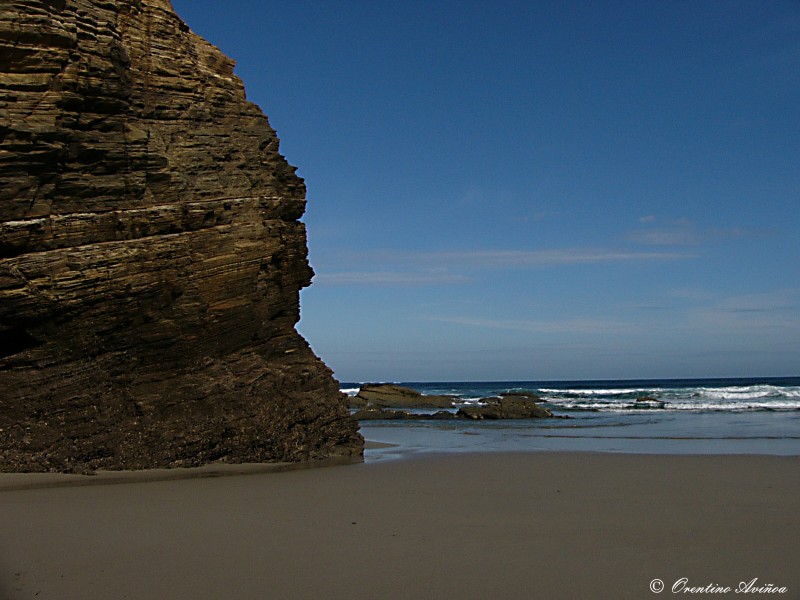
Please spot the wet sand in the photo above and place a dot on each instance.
(463, 526)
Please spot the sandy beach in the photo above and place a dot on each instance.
(494, 525)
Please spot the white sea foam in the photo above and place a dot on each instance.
(470, 400)
(589, 405)
(592, 392)
(748, 392)
(760, 396)
(673, 405)
(729, 398)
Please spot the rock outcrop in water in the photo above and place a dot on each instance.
(384, 395)
(151, 255)
(386, 401)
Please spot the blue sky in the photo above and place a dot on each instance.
(537, 190)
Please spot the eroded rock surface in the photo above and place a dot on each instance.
(151, 255)
(507, 406)
(383, 395)
(386, 401)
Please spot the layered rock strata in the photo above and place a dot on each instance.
(151, 253)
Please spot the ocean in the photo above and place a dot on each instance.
(684, 416)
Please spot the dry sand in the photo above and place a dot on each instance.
(533, 525)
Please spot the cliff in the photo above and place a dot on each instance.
(151, 253)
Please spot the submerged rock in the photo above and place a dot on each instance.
(646, 402)
(151, 253)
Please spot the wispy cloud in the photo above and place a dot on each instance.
(664, 237)
(581, 326)
(531, 258)
(387, 278)
(690, 294)
(413, 268)
(771, 314)
(682, 232)
(768, 302)
(756, 323)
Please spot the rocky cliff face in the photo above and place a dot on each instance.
(151, 255)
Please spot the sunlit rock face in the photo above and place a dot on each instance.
(151, 254)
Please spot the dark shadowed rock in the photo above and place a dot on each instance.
(151, 253)
(356, 402)
(374, 414)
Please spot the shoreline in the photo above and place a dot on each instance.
(502, 525)
(707, 416)
(13, 482)
(380, 452)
